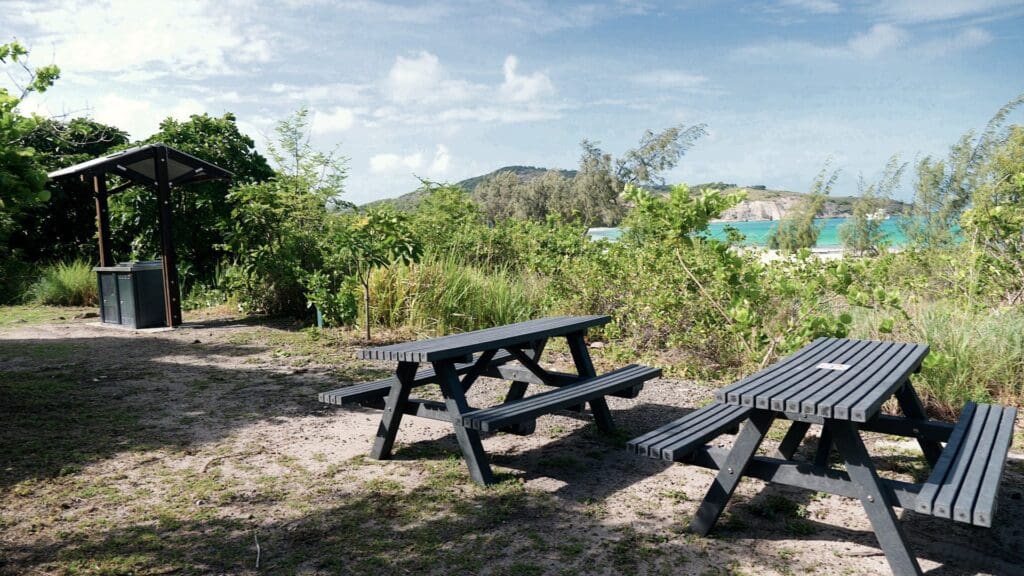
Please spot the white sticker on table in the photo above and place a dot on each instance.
(830, 366)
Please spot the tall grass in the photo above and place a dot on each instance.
(975, 354)
(442, 295)
(66, 284)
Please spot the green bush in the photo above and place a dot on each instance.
(442, 295)
(66, 284)
(975, 353)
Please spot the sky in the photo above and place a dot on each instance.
(448, 90)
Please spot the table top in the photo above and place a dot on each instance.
(834, 378)
(459, 345)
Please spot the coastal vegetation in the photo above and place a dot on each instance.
(280, 239)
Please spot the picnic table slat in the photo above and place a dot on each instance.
(456, 345)
(985, 504)
(761, 396)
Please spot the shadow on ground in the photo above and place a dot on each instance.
(65, 403)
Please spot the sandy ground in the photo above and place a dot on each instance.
(227, 457)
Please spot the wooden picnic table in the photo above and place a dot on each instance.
(512, 353)
(840, 385)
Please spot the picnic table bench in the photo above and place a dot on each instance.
(840, 385)
(512, 353)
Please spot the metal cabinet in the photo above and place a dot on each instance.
(132, 294)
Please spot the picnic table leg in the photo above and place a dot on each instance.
(794, 436)
(393, 405)
(746, 445)
(912, 409)
(824, 447)
(873, 498)
(585, 368)
(469, 440)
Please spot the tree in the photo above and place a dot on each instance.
(202, 211)
(22, 177)
(995, 220)
(657, 153)
(375, 239)
(64, 227)
(276, 228)
(499, 195)
(862, 232)
(945, 187)
(798, 230)
(595, 189)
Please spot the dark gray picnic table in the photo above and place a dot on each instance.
(840, 385)
(512, 353)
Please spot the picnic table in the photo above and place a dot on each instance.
(512, 353)
(840, 385)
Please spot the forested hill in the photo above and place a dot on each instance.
(761, 203)
(409, 200)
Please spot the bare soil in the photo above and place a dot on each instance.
(203, 450)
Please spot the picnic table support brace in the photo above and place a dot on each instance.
(747, 443)
(874, 499)
(469, 439)
(912, 408)
(518, 388)
(585, 368)
(791, 441)
(394, 407)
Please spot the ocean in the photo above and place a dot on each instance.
(756, 233)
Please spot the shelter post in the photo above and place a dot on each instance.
(99, 187)
(172, 292)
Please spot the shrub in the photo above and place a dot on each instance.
(442, 295)
(66, 284)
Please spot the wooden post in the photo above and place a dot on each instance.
(99, 187)
(172, 293)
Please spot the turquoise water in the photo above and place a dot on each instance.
(756, 233)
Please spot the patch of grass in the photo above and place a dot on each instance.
(66, 284)
(53, 425)
(33, 314)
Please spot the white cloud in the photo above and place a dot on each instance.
(336, 92)
(128, 37)
(814, 6)
(965, 39)
(391, 164)
(141, 118)
(915, 11)
(879, 39)
(674, 79)
(337, 120)
(394, 163)
(442, 159)
(422, 79)
(521, 88)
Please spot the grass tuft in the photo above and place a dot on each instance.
(66, 284)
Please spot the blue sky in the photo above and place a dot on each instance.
(448, 90)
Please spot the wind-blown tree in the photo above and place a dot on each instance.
(798, 230)
(995, 220)
(202, 211)
(593, 195)
(22, 177)
(945, 187)
(862, 232)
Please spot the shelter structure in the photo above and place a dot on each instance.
(155, 166)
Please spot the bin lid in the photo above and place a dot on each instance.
(132, 266)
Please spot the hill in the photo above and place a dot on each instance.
(409, 200)
(762, 203)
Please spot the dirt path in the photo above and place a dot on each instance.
(203, 450)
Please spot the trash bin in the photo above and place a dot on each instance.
(132, 294)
